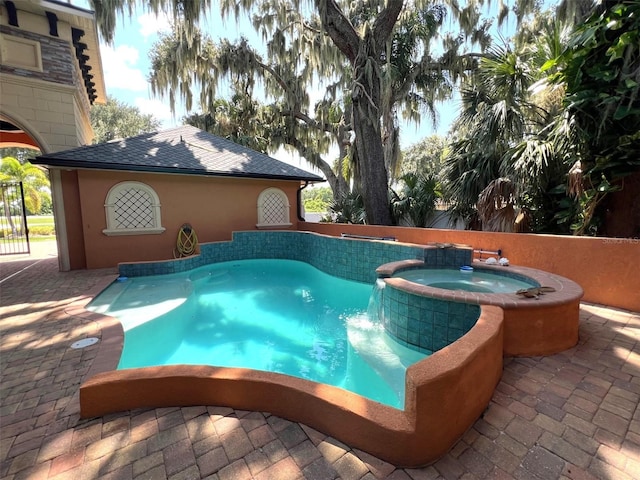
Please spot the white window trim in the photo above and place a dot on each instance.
(110, 214)
(262, 224)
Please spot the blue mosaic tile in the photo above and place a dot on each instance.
(426, 342)
(441, 306)
(413, 324)
(454, 334)
(439, 342)
(402, 333)
(440, 319)
(426, 328)
(456, 308)
(456, 322)
(413, 338)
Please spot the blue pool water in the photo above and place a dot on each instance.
(476, 281)
(276, 315)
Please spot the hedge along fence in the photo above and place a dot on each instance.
(38, 226)
(42, 230)
(36, 231)
(41, 225)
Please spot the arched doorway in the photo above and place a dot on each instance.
(23, 193)
(13, 136)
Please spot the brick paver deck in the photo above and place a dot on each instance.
(572, 415)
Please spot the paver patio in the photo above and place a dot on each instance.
(572, 415)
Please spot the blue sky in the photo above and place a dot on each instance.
(126, 66)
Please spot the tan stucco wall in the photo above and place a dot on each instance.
(50, 104)
(214, 206)
(606, 268)
(47, 111)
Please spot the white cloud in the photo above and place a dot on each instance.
(151, 24)
(158, 109)
(119, 68)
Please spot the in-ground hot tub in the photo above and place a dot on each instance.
(541, 325)
(466, 279)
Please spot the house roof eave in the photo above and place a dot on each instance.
(73, 164)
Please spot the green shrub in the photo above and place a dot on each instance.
(42, 230)
(6, 232)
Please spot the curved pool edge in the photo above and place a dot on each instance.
(544, 325)
(464, 374)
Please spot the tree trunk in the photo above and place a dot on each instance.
(7, 212)
(364, 53)
(337, 183)
(373, 173)
(366, 126)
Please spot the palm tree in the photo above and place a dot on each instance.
(33, 178)
(495, 114)
(416, 202)
(506, 137)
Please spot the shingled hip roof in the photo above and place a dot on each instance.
(182, 150)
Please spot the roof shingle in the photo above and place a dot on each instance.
(181, 150)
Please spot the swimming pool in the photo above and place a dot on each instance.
(279, 316)
(445, 392)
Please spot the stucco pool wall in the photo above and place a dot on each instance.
(444, 393)
(544, 325)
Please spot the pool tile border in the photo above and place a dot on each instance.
(349, 258)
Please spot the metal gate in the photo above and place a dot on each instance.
(14, 234)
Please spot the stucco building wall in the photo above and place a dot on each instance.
(214, 206)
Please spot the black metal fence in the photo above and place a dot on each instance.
(14, 233)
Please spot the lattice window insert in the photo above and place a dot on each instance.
(132, 208)
(273, 208)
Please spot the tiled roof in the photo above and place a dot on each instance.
(183, 150)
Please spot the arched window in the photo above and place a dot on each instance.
(132, 208)
(273, 209)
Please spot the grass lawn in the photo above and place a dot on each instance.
(41, 227)
(44, 220)
(41, 238)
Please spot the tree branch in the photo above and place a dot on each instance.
(386, 20)
(275, 75)
(339, 28)
(324, 127)
(314, 159)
